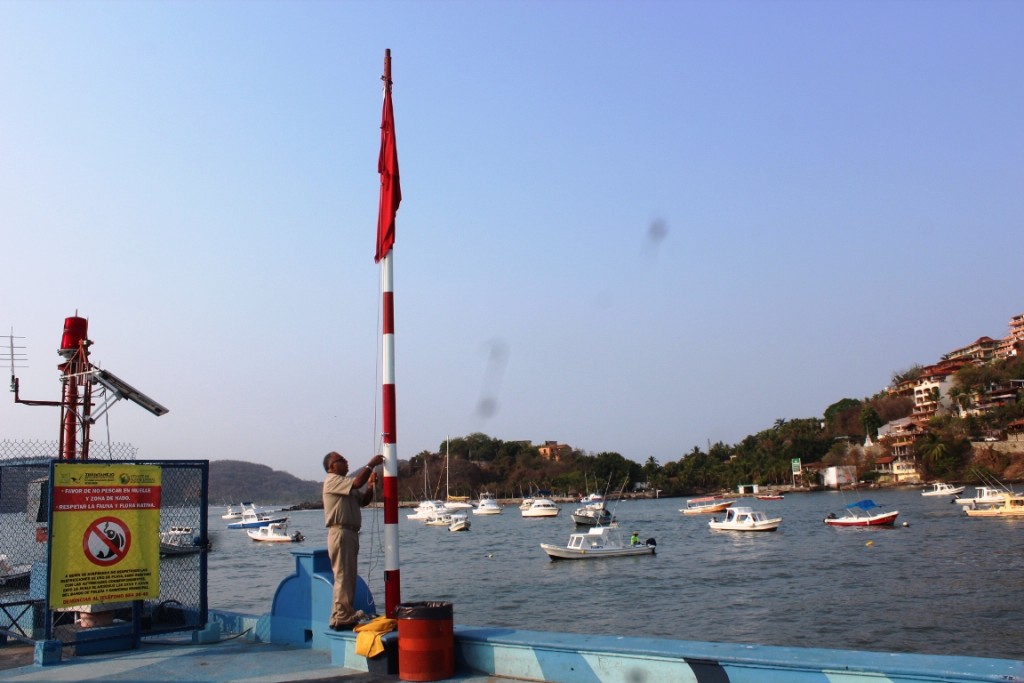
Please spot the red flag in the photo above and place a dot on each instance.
(390, 187)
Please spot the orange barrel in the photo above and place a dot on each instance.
(426, 641)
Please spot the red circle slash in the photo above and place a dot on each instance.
(106, 541)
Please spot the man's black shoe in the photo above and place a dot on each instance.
(344, 627)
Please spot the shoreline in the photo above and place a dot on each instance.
(571, 500)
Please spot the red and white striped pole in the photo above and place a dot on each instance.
(392, 582)
(390, 198)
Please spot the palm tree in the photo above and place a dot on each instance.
(932, 451)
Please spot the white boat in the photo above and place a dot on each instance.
(428, 509)
(440, 519)
(706, 505)
(745, 519)
(541, 507)
(276, 532)
(234, 513)
(591, 499)
(941, 488)
(252, 518)
(180, 540)
(487, 505)
(593, 514)
(984, 496)
(459, 522)
(598, 542)
(1010, 505)
(860, 514)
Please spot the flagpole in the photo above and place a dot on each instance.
(390, 197)
(392, 581)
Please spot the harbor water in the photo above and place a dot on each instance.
(937, 583)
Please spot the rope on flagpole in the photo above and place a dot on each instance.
(376, 551)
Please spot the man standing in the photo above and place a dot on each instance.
(343, 496)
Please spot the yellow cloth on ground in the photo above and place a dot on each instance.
(368, 642)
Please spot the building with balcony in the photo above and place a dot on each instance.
(1013, 343)
(553, 451)
(899, 436)
(897, 469)
(981, 351)
(997, 395)
(930, 389)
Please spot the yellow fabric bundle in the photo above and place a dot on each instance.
(368, 642)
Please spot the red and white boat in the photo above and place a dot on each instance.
(860, 514)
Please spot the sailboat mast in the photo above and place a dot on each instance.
(390, 197)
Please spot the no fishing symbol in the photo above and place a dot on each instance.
(106, 541)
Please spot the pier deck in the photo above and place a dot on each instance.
(237, 661)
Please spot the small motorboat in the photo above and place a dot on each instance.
(941, 488)
(459, 522)
(440, 519)
(984, 496)
(541, 507)
(598, 542)
(769, 496)
(593, 514)
(234, 512)
(253, 518)
(860, 514)
(181, 540)
(706, 505)
(745, 519)
(275, 532)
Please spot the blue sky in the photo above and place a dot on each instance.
(636, 227)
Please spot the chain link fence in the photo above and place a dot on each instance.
(28, 450)
(25, 491)
(23, 548)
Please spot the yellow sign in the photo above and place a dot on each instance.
(105, 540)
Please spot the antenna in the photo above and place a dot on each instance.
(120, 389)
(17, 356)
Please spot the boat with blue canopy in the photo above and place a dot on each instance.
(861, 514)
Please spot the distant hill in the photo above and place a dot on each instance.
(232, 481)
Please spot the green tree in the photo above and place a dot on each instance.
(651, 468)
(942, 457)
(870, 421)
(911, 373)
(842, 417)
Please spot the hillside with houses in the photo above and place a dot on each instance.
(973, 393)
(960, 418)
